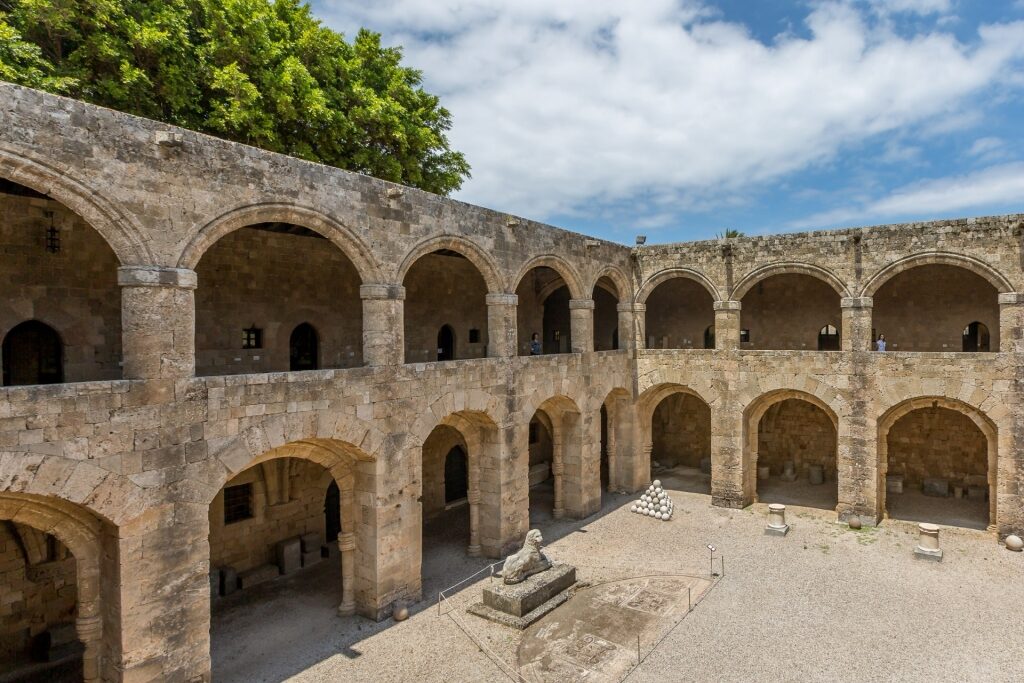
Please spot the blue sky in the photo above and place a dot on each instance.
(680, 118)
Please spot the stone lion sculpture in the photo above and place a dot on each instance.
(527, 562)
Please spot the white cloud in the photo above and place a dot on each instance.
(567, 107)
(999, 185)
(924, 7)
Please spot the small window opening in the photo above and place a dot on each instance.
(744, 336)
(237, 503)
(474, 336)
(252, 337)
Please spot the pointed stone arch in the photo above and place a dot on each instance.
(672, 273)
(476, 255)
(558, 264)
(788, 268)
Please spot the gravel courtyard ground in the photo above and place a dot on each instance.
(824, 603)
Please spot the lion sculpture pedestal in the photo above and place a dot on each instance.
(531, 586)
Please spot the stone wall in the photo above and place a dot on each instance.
(681, 431)
(444, 290)
(275, 281)
(293, 506)
(797, 431)
(74, 290)
(37, 585)
(678, 314)
(788, 312)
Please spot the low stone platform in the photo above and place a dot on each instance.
(519, 605)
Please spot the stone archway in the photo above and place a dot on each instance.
(949, 442)
(82, 533)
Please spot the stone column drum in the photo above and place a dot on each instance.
(727, 324)
(581, 325)
(383, 324)
(502, 332)
(158, 321)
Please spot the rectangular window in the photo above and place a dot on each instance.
(252, 338)
(744, 336)
(474, 336)
(237, 503)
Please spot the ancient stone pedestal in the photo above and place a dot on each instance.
(520, 604)
(776, 520)
(928, 543)
(788, 471)
(816, 474)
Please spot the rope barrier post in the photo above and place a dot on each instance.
(638, 649)
(689, 599)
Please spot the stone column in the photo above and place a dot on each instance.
(473, 498)
(158, 322)
(1011, 322)
(557, 469)
(632, 325)
(727, 324)
(89, 623)
(502, 329)
(856, 332)
(383, 324)
(581, 325)
(347, 546)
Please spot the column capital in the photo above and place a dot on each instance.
(581, 304)
(727, 305)
(856, 302)
(378, 291)
(631, 307)
(1011, 298)
(501, 299)
(156, 276)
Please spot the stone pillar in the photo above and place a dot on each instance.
(732, 485)
(473, 498)
(383, 324)
(1011, 322)
(347, 546)
(856, 332)
(581, 325)
(557, 469)
(727, 324)
(502, 325)
(89, 623)
(158, 322)
(632, 325)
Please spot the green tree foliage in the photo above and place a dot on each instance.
(731, 233)
(263, 72)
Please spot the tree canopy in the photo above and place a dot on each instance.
(263, 72)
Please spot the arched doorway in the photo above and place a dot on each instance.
(796, 450)
(680, 439)
(680, 311)
(446, 343)
(544, 309)
(32, 354)
(304, 348)
(828, 338)
(445, 291)
(709, 337)
(57, 268)
(606, 315)
(786, 310)
(976, 338)
(555, 453)
(456, 476)
(924, 308)
(258, 283)
(937, 461)
(54, 630)
(332, 514)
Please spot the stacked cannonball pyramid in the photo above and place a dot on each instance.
(654, 503)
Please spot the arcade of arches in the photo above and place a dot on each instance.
(357, 399)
